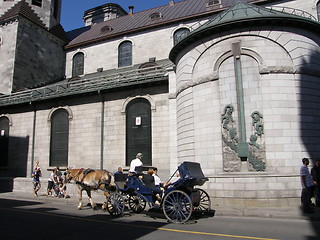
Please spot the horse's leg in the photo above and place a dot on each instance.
(80, 198)
(93, 204)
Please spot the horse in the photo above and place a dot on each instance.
(88, 180)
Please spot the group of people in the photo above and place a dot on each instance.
(151, 179)
(310, 183)
(56, 183)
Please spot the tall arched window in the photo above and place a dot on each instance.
(125, 54)
(138, 131)
(4, 141)
(59, 142)
(78, 64)
(179, 34)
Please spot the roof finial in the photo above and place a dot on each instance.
(171, 3)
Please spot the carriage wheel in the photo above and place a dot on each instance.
(177, 206)
(115, 204)
(204, 204)
(137, 203)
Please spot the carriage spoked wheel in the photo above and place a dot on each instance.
(177, 206)
(204, 204)
(115, 204)
(137, 203)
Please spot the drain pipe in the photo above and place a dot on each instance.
(102, 130)
(33, 137)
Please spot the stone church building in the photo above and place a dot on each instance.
(231, 84)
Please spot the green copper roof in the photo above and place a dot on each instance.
(242, 15)
(242, 11)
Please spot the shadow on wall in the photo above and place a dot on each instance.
(310, 106)
(16, 164)
(310, 116)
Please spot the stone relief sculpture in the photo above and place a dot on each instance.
(231, 161)
(257, 154)
(256, 147)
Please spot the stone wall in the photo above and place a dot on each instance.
(272, 85)
(45, 12)
(85, 128)
(8, 34)
(41, 53)
(147, 44)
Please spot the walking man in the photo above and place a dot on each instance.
(307, 185)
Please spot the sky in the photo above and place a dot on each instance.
(73, 10)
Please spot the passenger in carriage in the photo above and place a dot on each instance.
(149, 182)
(119, 171)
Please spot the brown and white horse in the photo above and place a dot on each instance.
(88, 180)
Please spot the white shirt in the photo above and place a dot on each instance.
(135, 163)
(157, 180)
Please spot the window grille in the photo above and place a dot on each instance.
(59, 142)
(105, 29)
(155, 16)
(180, 34)
(78, 65)
(125, 54)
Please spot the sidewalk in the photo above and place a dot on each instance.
(263, 212)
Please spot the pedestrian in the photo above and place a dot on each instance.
(315, 172)
(36, 174)
(51, 182)
(137, 162)
(307, 186)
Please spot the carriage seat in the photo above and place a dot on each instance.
(120, 180)
(134, 183)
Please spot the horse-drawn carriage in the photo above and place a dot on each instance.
(180, 199)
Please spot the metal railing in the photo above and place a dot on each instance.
(293, 11)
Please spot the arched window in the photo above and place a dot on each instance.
(78, 64)
(4, 141)
(138, 130)
(318, 10)
(125, 54)
(179, 34)
(59, 142)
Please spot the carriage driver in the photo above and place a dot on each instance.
(135, 163)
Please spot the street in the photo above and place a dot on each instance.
(50, 218)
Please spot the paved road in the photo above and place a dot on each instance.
(47, 218)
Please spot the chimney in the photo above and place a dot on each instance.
(171, 3)
(131, 10)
